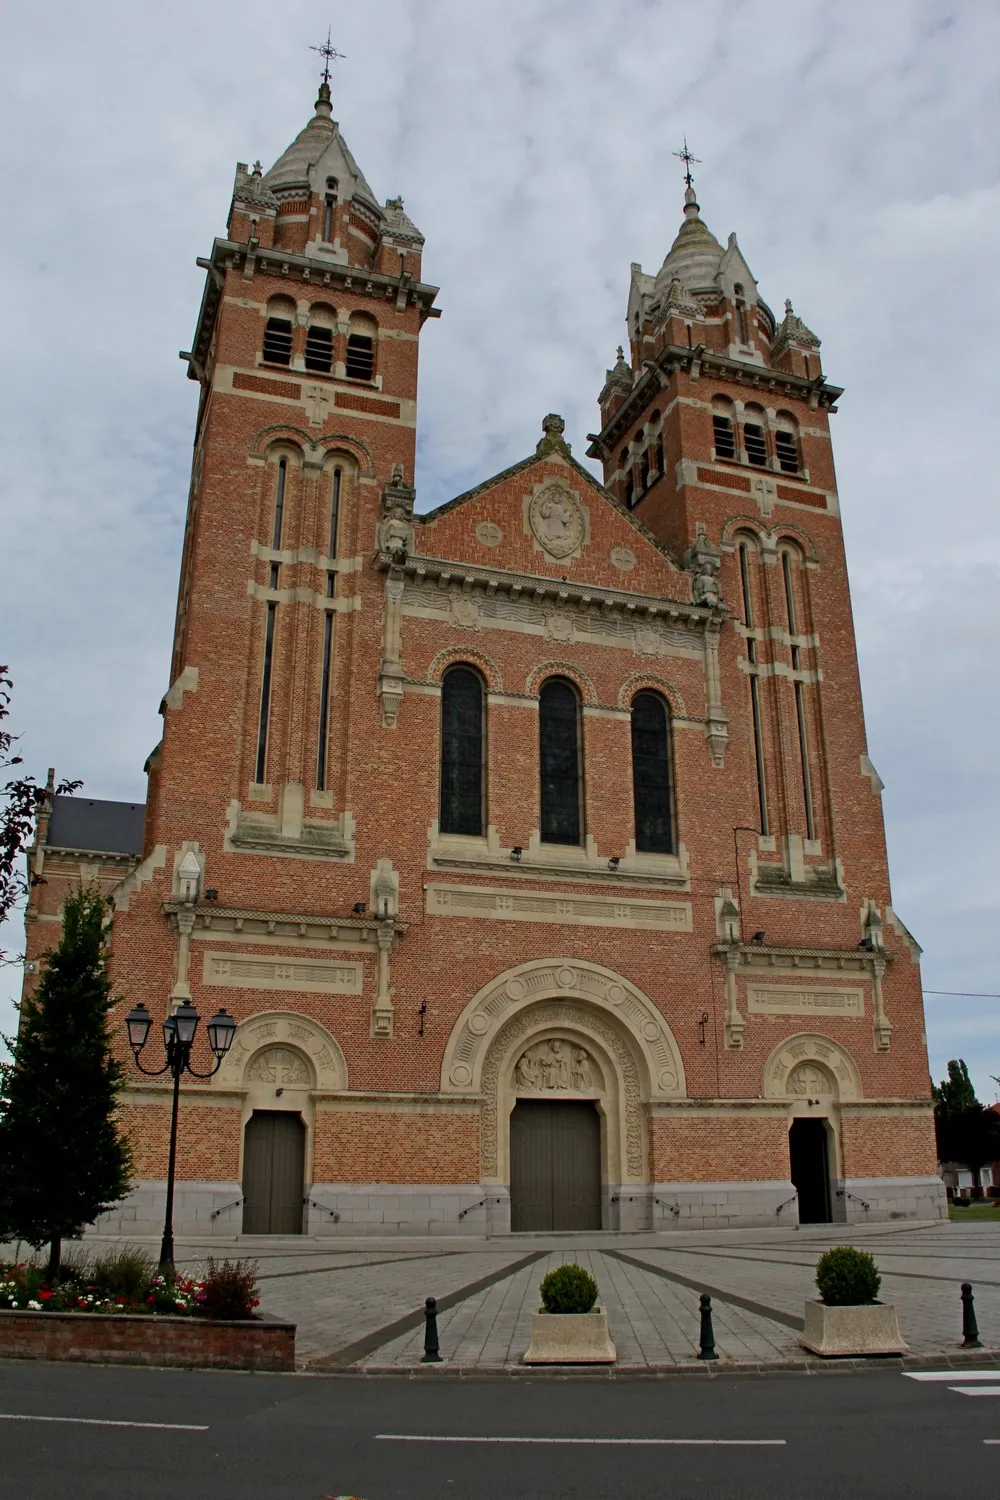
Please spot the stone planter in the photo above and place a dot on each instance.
(868, 1329)
(127, 1339)
(570, 1339)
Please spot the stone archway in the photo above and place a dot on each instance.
(788, 1070)
(601, 991)
(813, 1074)
(284, 1032)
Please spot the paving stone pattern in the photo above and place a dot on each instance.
(341, 1296)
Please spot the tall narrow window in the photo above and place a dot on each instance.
(334, 513)
(279, 503)
(462, 747)
(324, 699)
(360, 356)
(651, 775)
(278, 341)
(265, 692)
(319, 349)
(758, 742)
(800, 706)
(741, 314)
(561, 781)
(724, 437)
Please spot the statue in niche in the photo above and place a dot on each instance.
(556, 520)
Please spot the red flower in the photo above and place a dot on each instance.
(45, 1296)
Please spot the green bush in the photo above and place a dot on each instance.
(569, 1289)
(125, 1272)
(229, 1290)
(847, 1277)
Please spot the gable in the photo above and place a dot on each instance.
(548, 516)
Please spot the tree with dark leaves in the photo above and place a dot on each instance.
(63, 1158)
(21, 800)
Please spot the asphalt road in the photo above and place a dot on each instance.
(263, 1437)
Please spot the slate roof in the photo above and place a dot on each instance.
(87, 823)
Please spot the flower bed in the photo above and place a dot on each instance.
(121, 1308)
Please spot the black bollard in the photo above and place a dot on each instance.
(970, 1328)
(432, 1350)
(707, 1349)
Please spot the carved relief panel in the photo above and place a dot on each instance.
(556, 1065)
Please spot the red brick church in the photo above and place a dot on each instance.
(532, 841)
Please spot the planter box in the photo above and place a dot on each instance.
(870, 1329)
(112, 1339)
(570, 1339)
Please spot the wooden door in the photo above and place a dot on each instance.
(274, 1155)
(808, 1149)
(555, 1165)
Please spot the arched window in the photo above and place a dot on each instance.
(278, 331)
(786, 443)
(748, 558)
(361, 349)
(724, 436)
(741, 313)
(755, 436)
(319, 340)
(559, 759)
(462, 752)
(652, 780)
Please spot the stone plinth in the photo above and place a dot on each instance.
(570, 1339)
(870, 1329)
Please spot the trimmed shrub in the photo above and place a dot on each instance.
(569, 1289)
(847, 1277)
(229, 1290)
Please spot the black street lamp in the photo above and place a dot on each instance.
(178, 1035)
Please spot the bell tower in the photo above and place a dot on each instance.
(305, 351)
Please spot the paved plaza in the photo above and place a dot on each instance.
(359, 1306)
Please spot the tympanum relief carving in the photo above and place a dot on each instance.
(279, 1065)
(555, 1065)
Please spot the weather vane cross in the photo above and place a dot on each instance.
(688, 159)
(329, 54)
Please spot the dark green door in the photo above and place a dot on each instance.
(555, 1165)
(274, 1159)
(808, 1149)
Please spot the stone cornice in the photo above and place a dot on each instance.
(277, 926)
(763, 958)
(446, 572)
(699, 361)
(231, 255)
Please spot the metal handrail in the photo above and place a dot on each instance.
(334, 1215)
(225, 1207)
(793, 1199)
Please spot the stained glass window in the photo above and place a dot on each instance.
(559, 731)
(462, 745)
(651, 775)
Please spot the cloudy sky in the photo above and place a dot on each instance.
(851, 146)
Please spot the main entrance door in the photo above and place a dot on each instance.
(810, 1158)
(555, 1165)
(274, 1156)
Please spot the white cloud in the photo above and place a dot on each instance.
(850, 146)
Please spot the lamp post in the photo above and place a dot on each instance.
(178, 1036)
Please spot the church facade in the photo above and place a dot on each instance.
(533, 841)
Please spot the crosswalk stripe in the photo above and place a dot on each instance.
(946, 1375)
(976, 1390)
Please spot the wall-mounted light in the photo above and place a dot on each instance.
(614, 861)
(758, 937)
(421, 1012)
(516, 853)
(359, 908)
(212, 894)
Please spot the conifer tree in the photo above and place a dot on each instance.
(63, 1159)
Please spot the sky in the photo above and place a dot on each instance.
(851, 147)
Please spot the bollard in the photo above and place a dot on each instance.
(707, 1349)
(970, 1328)
(432, 1350)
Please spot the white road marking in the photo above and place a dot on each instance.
(17, 1416)
(945, 1375)
(409, 1437)
(976, 1390)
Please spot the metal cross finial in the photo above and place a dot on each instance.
(329, 54)
(687, 158)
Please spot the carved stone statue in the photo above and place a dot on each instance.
(556, 1065)
(583, 1076)
(703, 559)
